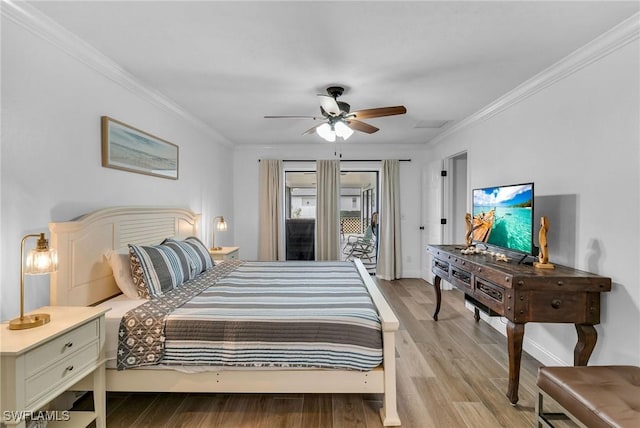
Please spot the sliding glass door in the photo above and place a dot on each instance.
(358, 210)
(300, 219)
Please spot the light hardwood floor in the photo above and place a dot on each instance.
(450, 373)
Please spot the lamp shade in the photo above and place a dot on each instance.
(326, 132)
(40, 262)
(221, 225)
(342, 130)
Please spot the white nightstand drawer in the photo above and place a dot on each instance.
(69, 369)
(60, 347)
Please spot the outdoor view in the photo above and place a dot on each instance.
(358, 204)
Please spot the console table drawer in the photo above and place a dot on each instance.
(461, 278)
(440, 268)
(490, 294)
(561, 307)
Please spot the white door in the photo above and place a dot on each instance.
(455, 199)
(431, 213)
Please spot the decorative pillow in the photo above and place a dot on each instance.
(186, 257)
(156, 269)
(197, 251)
(119, 261)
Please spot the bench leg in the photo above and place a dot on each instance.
(543, 419)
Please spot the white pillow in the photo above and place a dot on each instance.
(121, 267)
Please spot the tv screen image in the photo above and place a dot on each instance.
(503, 217)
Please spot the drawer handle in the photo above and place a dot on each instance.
(69, 368)
(555, 303)
(68, 345)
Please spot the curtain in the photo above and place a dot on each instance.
(270, 244)
(328, 210)
(389, 249)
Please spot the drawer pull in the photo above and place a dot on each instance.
(69, 368)
(555, 303)
(68, 345)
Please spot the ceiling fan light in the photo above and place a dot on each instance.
(326, 132)
(342, 130)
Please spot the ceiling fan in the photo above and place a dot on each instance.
(337, 118)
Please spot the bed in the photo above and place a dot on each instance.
(84, 277)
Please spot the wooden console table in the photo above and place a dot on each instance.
(522, 293)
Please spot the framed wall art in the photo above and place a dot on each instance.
(129, 149)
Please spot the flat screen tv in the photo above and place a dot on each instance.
(503, 217)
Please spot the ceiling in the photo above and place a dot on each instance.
(231, 63)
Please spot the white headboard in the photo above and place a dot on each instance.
(84, 276)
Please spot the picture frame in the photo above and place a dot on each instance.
(130, 149)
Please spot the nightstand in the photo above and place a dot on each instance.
(41, 363)
(226, 253)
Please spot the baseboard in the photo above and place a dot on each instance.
(533, 348)
(412, 273)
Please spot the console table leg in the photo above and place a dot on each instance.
(476, 314)
(515, 333)
(436, 286)
(587, 337)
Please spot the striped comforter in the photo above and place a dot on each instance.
(279, 314)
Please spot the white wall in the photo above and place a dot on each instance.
(578, 140)
(51, 154)
(245, 170)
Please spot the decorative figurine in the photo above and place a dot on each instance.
(467, 219)
(543, 256)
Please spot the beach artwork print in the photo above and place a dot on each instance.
(502, 216)
(130, 149)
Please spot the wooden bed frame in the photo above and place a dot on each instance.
(84, 278)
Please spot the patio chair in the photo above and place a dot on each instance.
(361, 247)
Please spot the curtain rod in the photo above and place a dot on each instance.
(341, 160)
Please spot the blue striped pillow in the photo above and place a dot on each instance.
(157, 269)
(185, 253)
(197, 251)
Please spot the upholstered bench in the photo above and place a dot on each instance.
(592, 396)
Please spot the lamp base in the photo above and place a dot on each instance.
(216, 248)
(29, 321)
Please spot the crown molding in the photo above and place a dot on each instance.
(41, 25)
(615, 38)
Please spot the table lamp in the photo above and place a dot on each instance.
(220, 225)
(40, 260)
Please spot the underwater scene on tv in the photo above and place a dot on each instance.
(503, 216)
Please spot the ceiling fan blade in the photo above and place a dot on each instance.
(378, 112)
(329, 104)
(312, 130)
(292, 117)
(361, 126)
